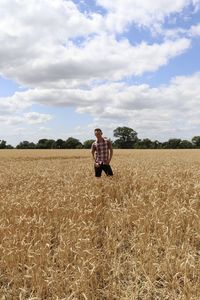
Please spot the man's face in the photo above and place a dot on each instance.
(98, 133)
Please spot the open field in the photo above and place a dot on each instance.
(67, 235)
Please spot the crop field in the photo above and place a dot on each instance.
(65, 234)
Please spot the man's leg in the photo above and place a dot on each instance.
(107, 169)
(98, 171)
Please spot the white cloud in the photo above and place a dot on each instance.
(11, 120)
(195, 30)
(178, 32)
(36, 118)
(17, 103)
(36, 51)
(26, 118)
(64, 67)
(45, 21)
(44, 129)
(145, 108)
(141, 12)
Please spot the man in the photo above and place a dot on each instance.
(102, 153)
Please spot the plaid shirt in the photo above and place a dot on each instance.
(101, 150)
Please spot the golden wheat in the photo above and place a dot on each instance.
(67, 235)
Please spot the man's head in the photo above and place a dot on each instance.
(98, 133)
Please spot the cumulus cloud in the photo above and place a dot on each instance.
(35, 34)
(17, 103)
(142, 106)
(195, 30)
(110, 98)
(26, 118)
(141, 12)
(73, 65)
(36, 118)
(45, 20)
(167, 110)
(37, 50)
(178, 32)
(65, 57)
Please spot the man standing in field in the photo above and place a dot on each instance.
(102, 153)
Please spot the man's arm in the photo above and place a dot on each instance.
(93, 151)
(110, 152)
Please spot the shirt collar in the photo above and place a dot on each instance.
(103, 140)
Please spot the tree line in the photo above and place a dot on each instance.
(126, 138)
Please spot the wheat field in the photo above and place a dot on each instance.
(66, 235)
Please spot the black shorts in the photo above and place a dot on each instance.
(106, 168)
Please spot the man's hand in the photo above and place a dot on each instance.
(96, 165)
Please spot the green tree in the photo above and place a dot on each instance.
(42, 144)
(72, 143)
(9, 147)
(127, 137)
(87, 144)
(144, 144)
(172, 144)
(196, 141)
(156, 144)
(2, 144)
(186, 144)
(45, 144)
(60, 144)
(26, 145)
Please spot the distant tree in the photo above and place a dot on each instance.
(45, 144)
(60, 144)
(50, 144)
(147, 144)
(138, 144)
(2, 144)
(87, 144)
(156, 144)
(186, 145)
(42, 144)
(9, 147)
(143, 144)
(127, 137)
(172, 144)
(26, 145)
(196, 141)
(72, 143)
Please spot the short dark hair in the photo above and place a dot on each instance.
(98, 129)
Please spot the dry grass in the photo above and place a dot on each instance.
(66, 235)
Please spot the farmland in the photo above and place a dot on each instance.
(67, 235)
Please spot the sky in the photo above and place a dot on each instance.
(67, 67)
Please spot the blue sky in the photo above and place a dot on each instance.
(67, 67)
